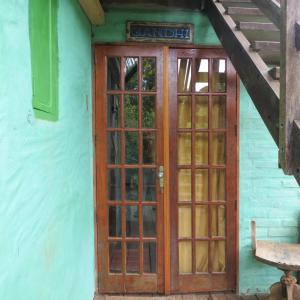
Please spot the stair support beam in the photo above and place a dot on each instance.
(262, 88)
(289, 85)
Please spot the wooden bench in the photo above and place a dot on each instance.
(285, 257)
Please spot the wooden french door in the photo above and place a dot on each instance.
(133, 234)
(203, 170)
(128, 125)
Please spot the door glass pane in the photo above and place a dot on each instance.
(132, 257)
(115, 257)
(114, 147)
(218, 119)
(131, 111)
(149, 221)
(132, 221)
(115, 221)
(201, 112)
(184, 111)
(184, 79)
(184, 221)
(218, 149)
(185, 257)
(149, 147)
(218, 220)
(131, 73)
(219, 75)
(150, 257)
(149, 184)
(184, 148)
(201, 185)
(184, 185)
(132, 183)
(218, 184)
(201, 257)
(201, 82)
(113, 111)
(131, 147)
(148, 120)
(149, 74)
(217, 251)
(201, 224)
(201, 148)
(114, 184)
(113, 73)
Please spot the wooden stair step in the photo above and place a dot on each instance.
(250, 11)
(256, 34)
(257, 26)
(271, 8)
(265, 46)
(270, 58)
(239, 1)
(275, 73)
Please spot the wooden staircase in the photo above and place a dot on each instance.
(262, 40)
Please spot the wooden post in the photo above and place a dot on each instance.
(289, 83)
(296, 151)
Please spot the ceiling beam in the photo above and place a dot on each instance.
(93, 10)
(155, 4)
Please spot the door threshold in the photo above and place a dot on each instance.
(189, 296)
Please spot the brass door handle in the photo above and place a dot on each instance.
(160, 176)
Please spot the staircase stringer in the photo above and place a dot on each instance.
(262, 88)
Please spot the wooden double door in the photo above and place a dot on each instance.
(166, 169)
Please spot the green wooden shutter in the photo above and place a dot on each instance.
(44, 57)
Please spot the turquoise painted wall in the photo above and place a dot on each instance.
(46, 193)
(114, 28)
(46, 198)
(266, 195)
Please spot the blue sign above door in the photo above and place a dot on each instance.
(159, 32)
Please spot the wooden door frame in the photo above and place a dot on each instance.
(166, 158)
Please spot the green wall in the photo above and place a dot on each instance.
(266, 195)
(46, 198)
(114, 28)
